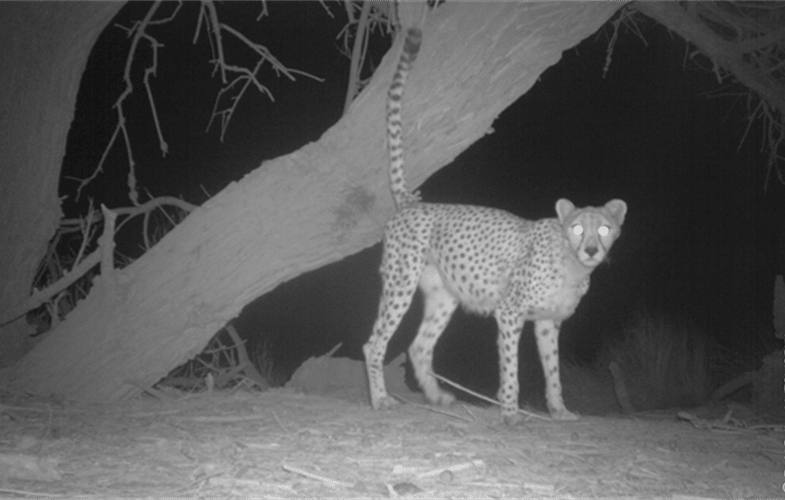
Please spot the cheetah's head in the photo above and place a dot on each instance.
(591, 230)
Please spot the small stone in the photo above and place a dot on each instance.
(446, 476)
(406, 489)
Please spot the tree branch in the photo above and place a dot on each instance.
(748, 56)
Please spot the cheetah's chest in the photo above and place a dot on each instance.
(553, 291)
(559, 302)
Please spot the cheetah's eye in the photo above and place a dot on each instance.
(604, 230)
(577, 230)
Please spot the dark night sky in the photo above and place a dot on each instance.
(658, 132)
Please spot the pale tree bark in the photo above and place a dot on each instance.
(302, 211)
(44, 52)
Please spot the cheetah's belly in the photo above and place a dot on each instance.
(476, 296)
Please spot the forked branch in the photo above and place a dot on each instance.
(234, 89)
(747, 40)
(61, 279)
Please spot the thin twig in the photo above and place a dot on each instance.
(29, 493)
(433, 409)
(281, 424)
(326, 480)
(485, 398)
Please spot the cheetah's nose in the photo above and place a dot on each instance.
(591, 251)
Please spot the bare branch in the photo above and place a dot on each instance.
(326, 9)
(151, 205)
(106, 247)
(82, 266)
(745, 39)
(210, 17)
(373, 15)
(349, 7)
(138, 33)
(264, 11)
(151, 71)
(86, 231)
(246, 76)
(38, 297)
(361, 35)
(762, 41)
(100, 168)
(611, 45)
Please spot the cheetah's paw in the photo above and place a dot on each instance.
(384, 403)
(563, 414)
(439, 397)
(512, 419)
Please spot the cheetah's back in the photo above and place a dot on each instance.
(485, 256)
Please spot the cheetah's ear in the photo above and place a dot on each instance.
(564, 208)
(618, 210)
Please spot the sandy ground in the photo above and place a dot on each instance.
(285, 444)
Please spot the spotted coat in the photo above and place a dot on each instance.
(488, 261)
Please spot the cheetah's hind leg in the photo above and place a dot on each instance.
(439, 306)
(399, 282)
(390, 314)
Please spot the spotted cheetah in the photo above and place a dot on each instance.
(487, 260)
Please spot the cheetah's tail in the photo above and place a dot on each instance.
(403, 197)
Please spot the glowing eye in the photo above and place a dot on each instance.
(604, 230)
(577, 230)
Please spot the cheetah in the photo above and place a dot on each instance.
(488, 261)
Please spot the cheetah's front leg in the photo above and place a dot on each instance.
(510, 325)
(547, 334)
